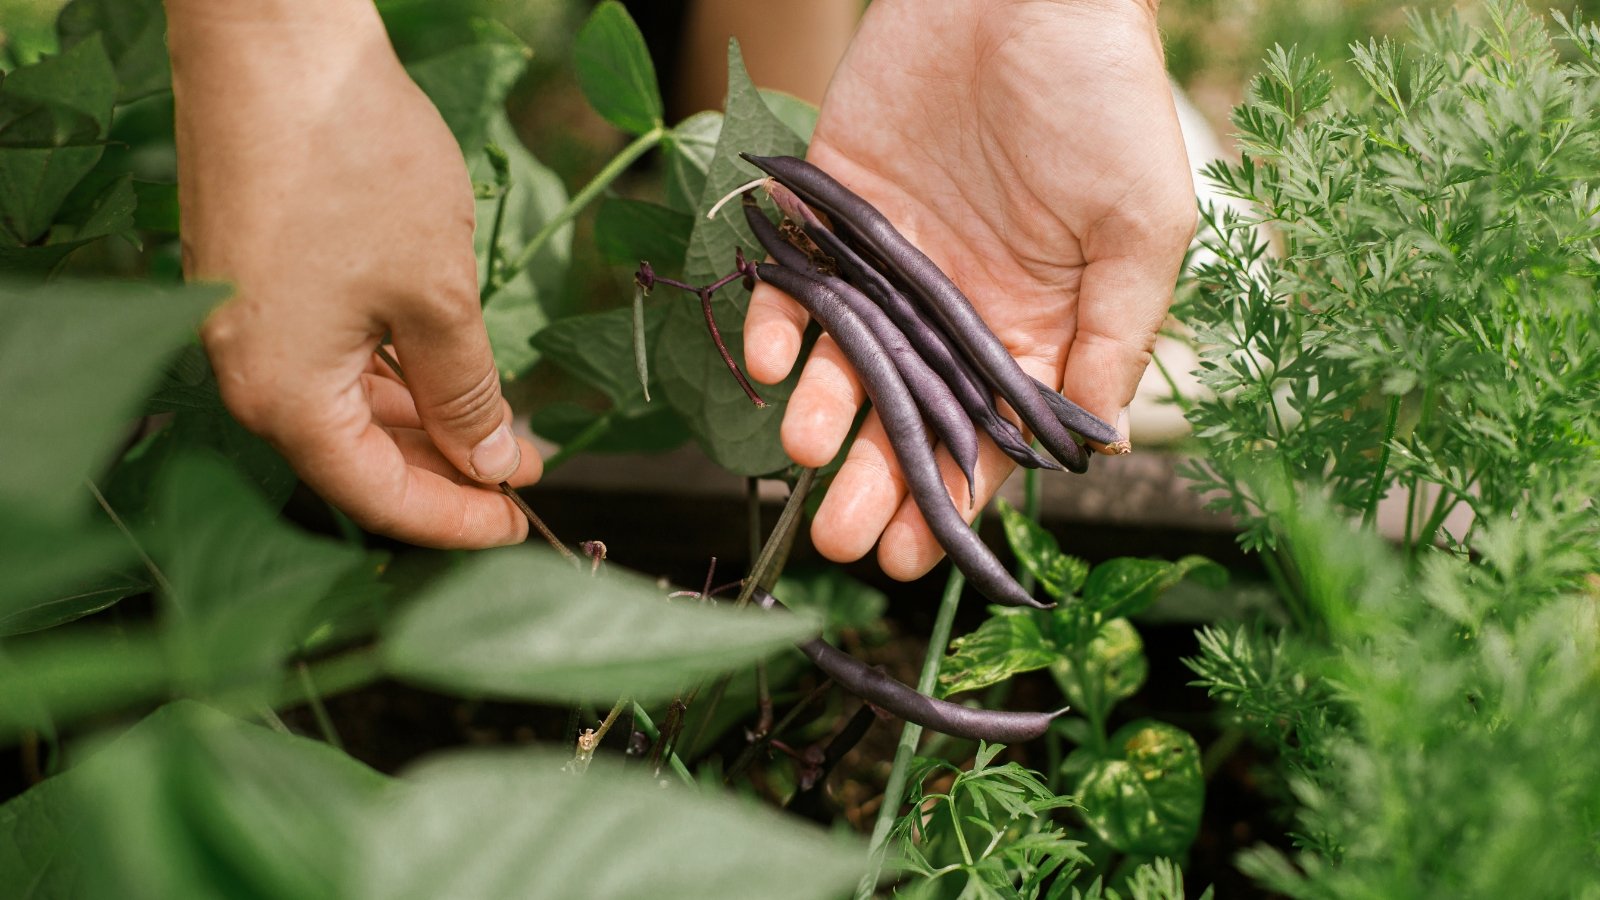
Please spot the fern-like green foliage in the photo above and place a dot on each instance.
(1419, 312)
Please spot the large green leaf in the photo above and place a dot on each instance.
(53, 120)
(1109, 668)
(243, 581)
(516, 825)
(598, 348)
(734, 433)
(57, 677)
(135, 36)
(102, 588)
(523, 623)
(800, 116)
(47, 568)
(468, 84)
(1125, 586)
(1007, 643)
(649, 429)
(190, 803)
(517, 310)
(75, 359)
(1146, 798)
(615, 71)
(630, 231)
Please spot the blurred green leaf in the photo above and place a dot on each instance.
(524, 623)
(1007, 643)
(689, 148)
(75, 359)
(517, 311)
(651, 429)
(515, 824)
(1146, 798)
(734, 433)
(615, 71)
(53, 119)
(190, 803)
(628, 231)
(45, 565)
(1125, 586)
(56, 677)
(90, 596)
(243, 581)
(832, 596)
(1059, 574)
(135, 36)
(468, 84)
(800, 116)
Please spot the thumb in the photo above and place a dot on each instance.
(450, 371)
(1121, 305)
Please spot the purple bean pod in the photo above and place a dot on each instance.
(903, 423)
(939, 406)
(950, 307)
(873, 686)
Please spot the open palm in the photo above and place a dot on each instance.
(1029, 148)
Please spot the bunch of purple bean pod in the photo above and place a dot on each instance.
(927, 360)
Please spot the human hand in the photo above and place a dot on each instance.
(316, 177)
(1030, 149)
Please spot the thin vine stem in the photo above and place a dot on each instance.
(318, 711)
(894, 792)
(1379, 477)
(602, 180)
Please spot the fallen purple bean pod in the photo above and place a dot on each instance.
(932, 395)
(898, 412)
(946, 301)
(954, 719)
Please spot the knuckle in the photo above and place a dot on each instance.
(478, 407)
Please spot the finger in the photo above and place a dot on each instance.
(908, 549)
(452, 377)
(862, 498)
(823, 406)
(773, 328)
(391, 403)
(353, 463)
(419, 451)
(1122, 302)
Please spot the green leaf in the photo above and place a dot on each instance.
(833, 596)
(689, 148)
(1125, 586)
(469, 84)
(800, 116)
(598, 349)
(628, 231)
(734, 433)
(48, 570)
(515, 824)
(56, 677)
(75, 359)
(87, 598)
(1146, 798)
(524, 623)
(190, 803)
(243, 581)
(615, 72)
(1059, 574)
(54, 116)
(1008, 642)
(1112, 667)
(135, 36)
(651, 429)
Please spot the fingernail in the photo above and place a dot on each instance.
(496, 456)
(1123, 423)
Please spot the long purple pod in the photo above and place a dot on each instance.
(902, 422)
(944, 299)
(939, 406)
(1078, 419)
(930, 343)
(855, 676)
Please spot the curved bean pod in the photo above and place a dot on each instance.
(939, 406)
(1078, 419)
(951, 307)
(901, 421)
(855, 676)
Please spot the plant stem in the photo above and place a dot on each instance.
(580, 442)
(334, 675)
(749, 754)
(602, 180)
(961, 837)
(490, 283)
(318, 711)
(722, 350)
(650, 730)
(149, 564)
(895, 790)
(1030, 509)
(1379, 477)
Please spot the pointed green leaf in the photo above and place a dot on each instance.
(1146, 798)
(1112, 667)
(1125, 586)
(516, 824)
(630, 231)
(615, 71)
(1059, 574)
(800, 116)
(524, 623)
(135, 36)
(1007, 643)
(694, 379)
